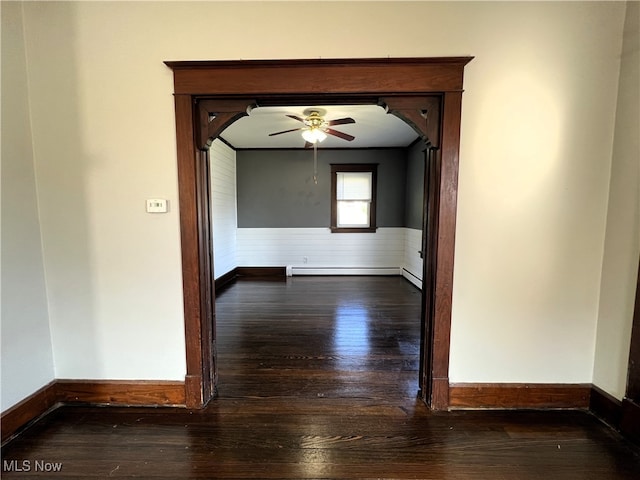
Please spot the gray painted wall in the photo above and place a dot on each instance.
(276, 189)
(415, 186)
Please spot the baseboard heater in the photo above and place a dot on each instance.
(417, 281)
(291, 271)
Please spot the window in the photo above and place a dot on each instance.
(353, 197)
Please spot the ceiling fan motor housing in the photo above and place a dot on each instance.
(316, 128)
(315, 120)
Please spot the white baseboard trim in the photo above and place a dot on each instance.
(343, 271)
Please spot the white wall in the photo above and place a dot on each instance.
(26, 355)
(223, 207)
(537, 136)
(104, 141)
(622, 241)
(538, 116)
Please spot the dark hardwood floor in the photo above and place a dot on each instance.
(318, 379)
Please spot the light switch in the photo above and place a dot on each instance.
(156, 205)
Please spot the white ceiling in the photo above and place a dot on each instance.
(373, 127)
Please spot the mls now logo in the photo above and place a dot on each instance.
(28, 466)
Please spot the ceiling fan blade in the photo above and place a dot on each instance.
(341, 121)
(308, 144)
(296, 118)
(342, 135)
(285, 131)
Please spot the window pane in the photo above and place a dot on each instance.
(353, 185)
(353, 205)
(353, 214)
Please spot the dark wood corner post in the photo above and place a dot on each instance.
(427, 115)
(630, 421)
(425, 92)
(447, 165)
(198, 123)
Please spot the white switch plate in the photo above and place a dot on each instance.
(156, 205)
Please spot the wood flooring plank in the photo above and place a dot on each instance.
(318, 380)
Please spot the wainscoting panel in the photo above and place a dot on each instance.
(223, 207)
(412, 266)
(319, 248)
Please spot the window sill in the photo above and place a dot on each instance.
(353, 230)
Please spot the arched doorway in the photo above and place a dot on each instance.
(425, 92)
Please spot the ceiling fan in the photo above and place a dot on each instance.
(316, 128)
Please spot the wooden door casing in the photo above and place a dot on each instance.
(210, 95)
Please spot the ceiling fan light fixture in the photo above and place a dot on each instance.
(313, 135)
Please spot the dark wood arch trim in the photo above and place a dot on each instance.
(426, 92)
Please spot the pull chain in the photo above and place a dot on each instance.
(315, 163)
